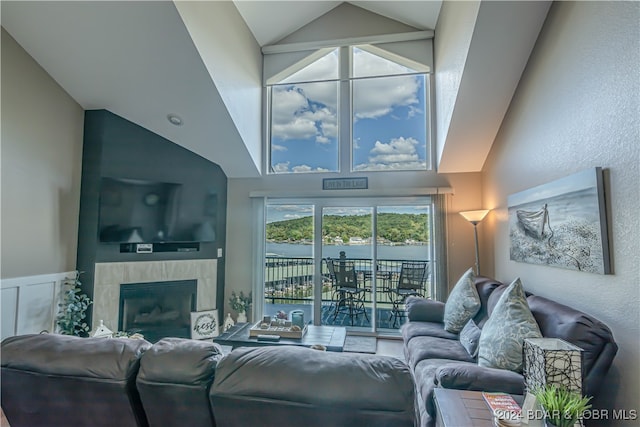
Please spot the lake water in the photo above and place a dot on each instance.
(352, 251)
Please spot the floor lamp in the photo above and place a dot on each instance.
(474, 217)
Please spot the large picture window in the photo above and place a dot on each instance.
(383, 124)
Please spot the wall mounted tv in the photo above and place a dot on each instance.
(138, 211)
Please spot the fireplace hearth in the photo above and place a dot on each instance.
(157, 309)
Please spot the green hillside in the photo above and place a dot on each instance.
(392, 227)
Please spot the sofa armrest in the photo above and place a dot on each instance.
(424, 310)
(468, 376)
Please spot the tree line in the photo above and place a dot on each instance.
(392, 227)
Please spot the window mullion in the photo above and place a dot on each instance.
(344, 112)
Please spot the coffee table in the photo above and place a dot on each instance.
(332, 337)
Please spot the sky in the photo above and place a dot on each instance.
(575, 182)
(389, 130)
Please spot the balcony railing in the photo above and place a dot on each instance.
(290, 280)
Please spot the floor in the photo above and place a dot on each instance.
(390, 347)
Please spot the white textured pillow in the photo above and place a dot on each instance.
(463, 303)
(503, 334)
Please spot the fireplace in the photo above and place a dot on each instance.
(157, 309)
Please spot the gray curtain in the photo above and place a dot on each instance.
(440, 247)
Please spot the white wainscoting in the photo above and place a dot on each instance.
(30, 304)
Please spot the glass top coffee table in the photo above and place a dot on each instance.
(332, 337)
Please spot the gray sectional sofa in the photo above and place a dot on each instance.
(439, 359)
(56, 380)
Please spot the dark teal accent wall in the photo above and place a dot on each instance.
(116, 147)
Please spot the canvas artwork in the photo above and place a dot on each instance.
(562, 224)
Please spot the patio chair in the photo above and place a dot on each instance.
(350, 296)
(411, 282)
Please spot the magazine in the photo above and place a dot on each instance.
(503, 406)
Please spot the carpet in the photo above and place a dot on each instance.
(355, 344)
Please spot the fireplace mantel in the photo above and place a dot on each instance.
(110, 275)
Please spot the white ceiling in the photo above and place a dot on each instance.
(143, 60)
(137, 59)
(286, 17)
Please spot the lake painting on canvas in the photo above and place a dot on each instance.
(562, 224)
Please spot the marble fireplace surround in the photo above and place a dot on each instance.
(110, 275)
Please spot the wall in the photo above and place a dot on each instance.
(41, 160)
(117, 148)
(576, 108)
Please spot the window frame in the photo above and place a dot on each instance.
(344, 110)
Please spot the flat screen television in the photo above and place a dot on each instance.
(138, 211)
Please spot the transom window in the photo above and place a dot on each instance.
(350, 109)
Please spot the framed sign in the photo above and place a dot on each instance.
(204, 324)
(345, 183)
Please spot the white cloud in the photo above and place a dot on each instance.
(399, 154)
(307, 168)
(378, 97)
(295, 117)
(285, 167)
(281, 167)
(276, 147)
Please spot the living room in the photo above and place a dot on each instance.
(574, 107)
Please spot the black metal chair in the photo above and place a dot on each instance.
(347, 293)
(411, 282)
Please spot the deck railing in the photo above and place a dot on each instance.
(290, 280)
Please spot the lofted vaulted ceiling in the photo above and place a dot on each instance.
(201, 60)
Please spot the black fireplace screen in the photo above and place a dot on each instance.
(157, 309)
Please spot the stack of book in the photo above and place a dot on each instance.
(506, 411)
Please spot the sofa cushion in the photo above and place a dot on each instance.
(591, 335)
(431, 329)
(421, 309)
(425, 347)
(485, 287)
(425, 374)
(291, 385)
(470, 337)
(503, 335)
(470, 376)
(174, 380)
(463, 303)
(46, 378)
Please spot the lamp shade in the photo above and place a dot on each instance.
(475, 216)
(552, 361)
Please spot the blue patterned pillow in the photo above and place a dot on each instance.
(463, 303)
(502, 337)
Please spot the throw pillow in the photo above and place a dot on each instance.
(503, 335)
(463, 303)
(470, 337)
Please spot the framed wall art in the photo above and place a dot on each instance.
(204, 324)
(562, 224)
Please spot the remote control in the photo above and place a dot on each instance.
(268, 337)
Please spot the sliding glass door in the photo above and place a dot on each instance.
(340, 261)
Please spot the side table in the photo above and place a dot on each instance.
(456, 408)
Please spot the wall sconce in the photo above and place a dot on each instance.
(474, 217)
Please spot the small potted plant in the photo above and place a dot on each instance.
(240, 303)
(73, 309)
(562, 407)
